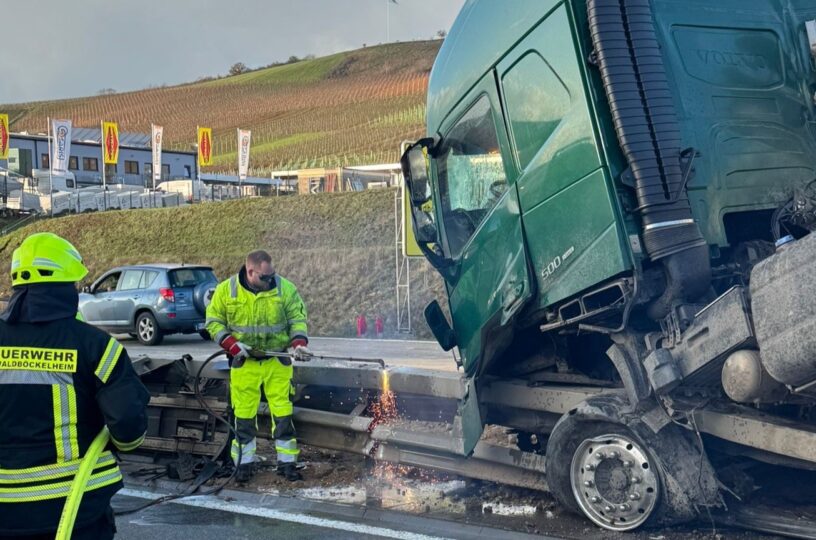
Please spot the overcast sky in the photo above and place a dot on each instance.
(69, 48)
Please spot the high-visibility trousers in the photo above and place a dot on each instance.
(246, 383)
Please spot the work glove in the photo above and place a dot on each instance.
(237, 350)
(300, 351)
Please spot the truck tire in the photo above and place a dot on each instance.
(603, 471)
(147, 329)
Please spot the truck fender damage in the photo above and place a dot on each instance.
(689, 483)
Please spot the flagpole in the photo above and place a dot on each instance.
(50, 167)
(153, 147)
(104, 180)
(198, 166)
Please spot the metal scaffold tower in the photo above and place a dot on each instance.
(402, 266)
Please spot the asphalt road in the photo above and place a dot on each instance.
(418, 354)
(183, 522)
(252, 516)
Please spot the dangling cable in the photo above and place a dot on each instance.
(218, 418)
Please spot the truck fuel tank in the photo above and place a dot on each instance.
(783, 302)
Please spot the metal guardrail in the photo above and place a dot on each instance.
(385, 442)
(18, 224)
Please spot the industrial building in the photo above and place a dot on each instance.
(30, 151)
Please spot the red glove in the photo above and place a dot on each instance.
(300, 351)
(298, 342)
(237, 350)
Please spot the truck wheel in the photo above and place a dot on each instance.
(603, 471)
(147, 329)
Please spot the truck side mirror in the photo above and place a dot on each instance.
(415, 171)
(86, 289)
(414, 164)
(439, 325)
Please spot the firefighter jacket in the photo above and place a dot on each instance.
(266, 320)
(61, 382)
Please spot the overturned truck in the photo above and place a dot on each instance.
(620, 195)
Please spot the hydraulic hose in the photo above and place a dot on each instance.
(74, 499)
(218, 418)
(83, 475)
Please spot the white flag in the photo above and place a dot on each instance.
(156, 144)
(244, 136)
(61, 146)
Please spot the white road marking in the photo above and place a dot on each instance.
(214, 503)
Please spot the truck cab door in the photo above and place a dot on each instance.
(488, 279)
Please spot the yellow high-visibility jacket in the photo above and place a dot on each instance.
(266, 320)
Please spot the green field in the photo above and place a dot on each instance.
(337, 248)
(350, 108)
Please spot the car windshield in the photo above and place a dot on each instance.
(190, 277)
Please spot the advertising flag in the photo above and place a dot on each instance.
(244, 136)
(156, 145)
(110, 143)
(4, 136)
(61, 145)
(204, 147)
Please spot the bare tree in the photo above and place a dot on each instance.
(441, 34)
(237, 68)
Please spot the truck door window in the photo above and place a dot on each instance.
(536, 102)
(470, 173)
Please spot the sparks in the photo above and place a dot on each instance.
(384, 410)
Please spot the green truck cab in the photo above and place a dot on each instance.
(608, 188)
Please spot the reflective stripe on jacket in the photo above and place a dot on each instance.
(267, 320)
(61, 382)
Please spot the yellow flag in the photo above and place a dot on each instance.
(110, 142)
(4, 136)
(204, 147)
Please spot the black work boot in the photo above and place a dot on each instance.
(289, 471)
(244, 473)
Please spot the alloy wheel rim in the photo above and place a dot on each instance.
(615, 482)
(146, 329)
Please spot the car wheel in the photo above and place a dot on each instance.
(147, 329)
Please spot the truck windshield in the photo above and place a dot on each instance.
(470, 174)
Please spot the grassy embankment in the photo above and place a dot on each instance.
(337, 248)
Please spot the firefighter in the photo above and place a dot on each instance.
(61, 382)
(258, 310)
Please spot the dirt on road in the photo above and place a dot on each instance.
(342, 478)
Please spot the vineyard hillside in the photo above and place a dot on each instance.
(349, 108)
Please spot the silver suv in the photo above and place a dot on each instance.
(149, 301)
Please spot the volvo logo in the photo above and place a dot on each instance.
(754, 62)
